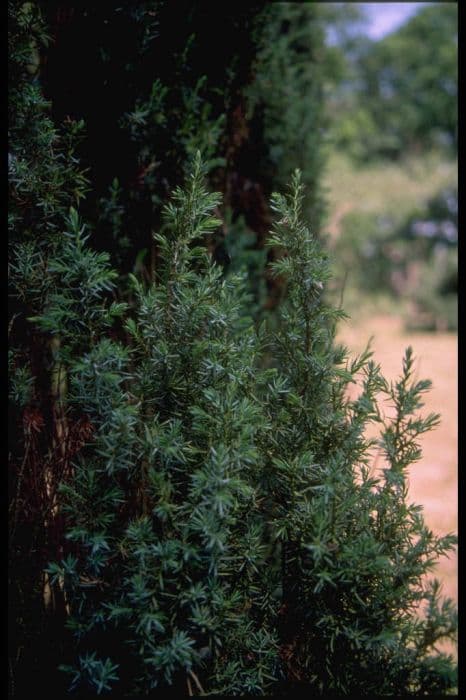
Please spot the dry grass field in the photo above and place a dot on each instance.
(400, 188)
(433, 481)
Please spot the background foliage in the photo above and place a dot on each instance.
(399, 94)
(175, 86)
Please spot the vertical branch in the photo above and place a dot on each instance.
(58, 455)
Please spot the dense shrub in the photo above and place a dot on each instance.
(228, 532)
(156, 81)
(57, 287)
(191, 506)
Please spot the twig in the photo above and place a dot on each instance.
(343, 287)
(197, 682)
(18, 485)
(10, 325)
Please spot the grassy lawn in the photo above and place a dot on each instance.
(391, 190)
(395, 188)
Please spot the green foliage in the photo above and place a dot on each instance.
(44, 182)
(436, 294)
(78, 278)
(353, 550)
(291, 68)
(180, 448)
(154, 84)
(21, 381)
(436, 297)
(229, 535)
(244, 254)
(200, 483)
(253, 112)
(412, 257)
(98, 674)
(400, 93)
(57, 288)
(42, 171)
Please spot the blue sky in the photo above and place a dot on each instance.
(385, 17)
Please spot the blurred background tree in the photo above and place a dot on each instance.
(392, 162)
(400, 93)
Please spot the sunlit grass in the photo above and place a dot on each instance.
(396, 188)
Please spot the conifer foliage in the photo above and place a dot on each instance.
(59, 306)
(193, 503)
(353, 550)
(229, 534)
(162, 504)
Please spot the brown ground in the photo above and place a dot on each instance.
(433, 480)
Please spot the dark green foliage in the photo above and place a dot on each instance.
(57, 288)
(198, 483)
(291, 68)
(436, 294)
(243, 254)
(230, 534)
(154, 82)
(43, 174)
(353, 550)
(169, 479)
(280, 125)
